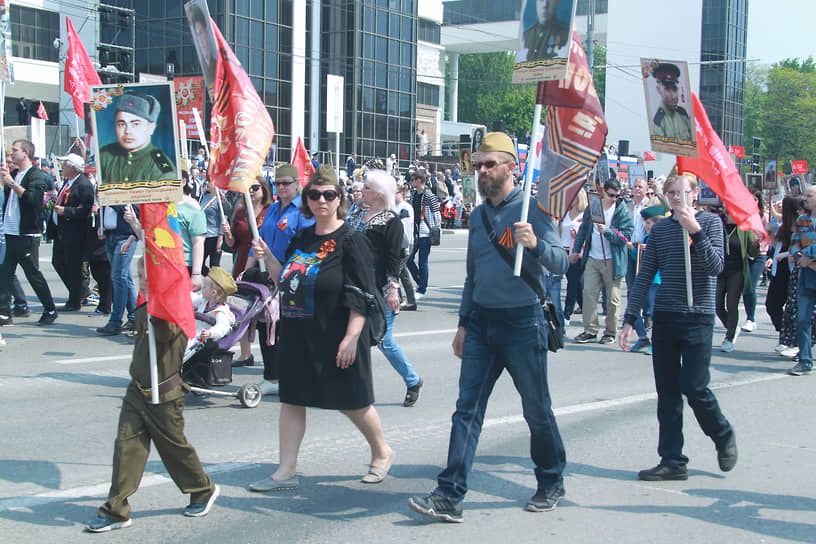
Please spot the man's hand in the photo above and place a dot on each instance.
(5, 175)
(523, 234)
(574, 257)
(59, 209)
(623, 339)
(459, 342)
(804, 262)
(687, 220)
(601, 228)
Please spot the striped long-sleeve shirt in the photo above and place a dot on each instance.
(664, 254)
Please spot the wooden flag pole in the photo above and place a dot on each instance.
(528, 178)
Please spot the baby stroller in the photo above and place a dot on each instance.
(209, 364)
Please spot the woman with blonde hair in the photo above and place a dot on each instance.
(575, 275)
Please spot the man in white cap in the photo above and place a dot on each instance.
(68, 226)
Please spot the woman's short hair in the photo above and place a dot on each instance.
(267, 195)
(384, 185)
(321, 181)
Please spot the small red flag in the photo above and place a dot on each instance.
(737, 150)
(715, 167)
(649, 156)
(41, 113)
(241, 130)
(169, 283)
(799, 167)
(79, 71)
(301, 161)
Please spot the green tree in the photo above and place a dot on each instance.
(599, 72)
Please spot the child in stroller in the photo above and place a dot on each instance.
(212, 301)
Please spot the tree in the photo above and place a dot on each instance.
(599, 72)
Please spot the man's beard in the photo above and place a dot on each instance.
(489, 188)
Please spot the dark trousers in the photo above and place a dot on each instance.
(212, 255)
(25, 251)
(729, 290)
(680, 359)
(755, 267)
(777, 295)
(269, 353)
(405, 279)
(139, 423)
(67, 262)
(419, 272)
(101, 272)
(575, 288)
(20, 302)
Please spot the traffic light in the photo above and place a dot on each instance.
(755, 156)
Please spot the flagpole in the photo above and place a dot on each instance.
(154, 363)
(686, 249)
(253, 226)
(528, 178)
(2, 114)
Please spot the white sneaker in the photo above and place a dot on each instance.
(779, 348)
(749, 326)
(789, 352)
(419, 296)
(269, 388)
(727, 346)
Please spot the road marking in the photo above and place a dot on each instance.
(92, 359)
(100, 490)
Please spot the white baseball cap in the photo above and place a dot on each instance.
(74, 160)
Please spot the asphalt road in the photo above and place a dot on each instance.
(61, 389)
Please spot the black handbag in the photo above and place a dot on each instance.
(436, 236)
(555, 334)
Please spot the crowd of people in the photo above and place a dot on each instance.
(337, 245)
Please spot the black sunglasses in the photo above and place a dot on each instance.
(613, 195)
(282, 183)
(329, 195)
(487, 164)
(254, 188)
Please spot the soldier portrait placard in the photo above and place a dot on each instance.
(545, 35)
(669, 106)
(137, 143)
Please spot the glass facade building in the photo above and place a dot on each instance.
(722, 84)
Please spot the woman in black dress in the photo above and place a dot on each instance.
(325, 353)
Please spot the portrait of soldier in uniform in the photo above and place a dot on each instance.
(550, 36)
(133, 157)
(670, 120)
(203, 39)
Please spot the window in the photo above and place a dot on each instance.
(33, 32)
(429, 31)
(427, 94)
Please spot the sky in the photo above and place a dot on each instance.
(779, 29)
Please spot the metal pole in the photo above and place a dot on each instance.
(154, 364)
(590, 39)
(253, 227)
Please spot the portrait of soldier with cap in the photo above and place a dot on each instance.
(203, 39)
(133, 156)
(549, 37)
(670, 120)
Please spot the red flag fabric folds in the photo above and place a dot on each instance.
(41, 113)
(649, 156)
(737, 150)
(576, 131)
(799, 167)
(715, 167)
(169, 283)
(79, 71)
(241, 130)
(301, 161)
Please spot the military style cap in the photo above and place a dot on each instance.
(668, 74)
(498, 141)
(653, 211)
(223, 279)
(324, 175)
(286, 170)
(143, 105)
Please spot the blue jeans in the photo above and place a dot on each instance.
(499, 338)
(553, 285)
(394, 354)
(575, 288)
(640, 325)
(680, 358)
(420, 273)
(124, 292)
(755, 267)
(807, 299)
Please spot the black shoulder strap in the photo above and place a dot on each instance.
(508, 257)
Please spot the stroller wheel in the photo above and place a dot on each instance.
(250, 395)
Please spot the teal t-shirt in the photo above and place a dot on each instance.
(193, 223)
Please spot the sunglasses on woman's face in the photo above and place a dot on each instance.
(329, 195)
(254, 188)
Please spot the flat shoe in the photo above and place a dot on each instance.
(377, 474)
(268, 484)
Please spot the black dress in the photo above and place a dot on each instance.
(315, 300)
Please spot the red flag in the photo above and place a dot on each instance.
(576, 131)
(737, 150)
(799, 167)
(301, 160)
(79, 71)
(169, 283)
(41, 113)
(241, 130)
(715, 167)
(649, 156)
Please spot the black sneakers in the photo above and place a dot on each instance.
(412, 395)
(663, 472)
(48, 318)
(101, 524)
(437, 507)
(585, 338)
(727, 453)
(545, 500)
(607, 339)
(801, 368)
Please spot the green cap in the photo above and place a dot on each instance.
(324, 175)
(286, 170)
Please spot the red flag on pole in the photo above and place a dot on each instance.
(576, 131)
(241, 130)
(79, 71)
(301, 161)
(799, 167)
(737, 150)
(649, 156)
(715, 167)
(169, 282)
(41, 113)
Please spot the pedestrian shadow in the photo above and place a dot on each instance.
(42, 473)
(743, 510)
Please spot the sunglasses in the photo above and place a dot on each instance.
(254, 188)
(613, 195)
(282, 183)
(329, 195)
(487, 164)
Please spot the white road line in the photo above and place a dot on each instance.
(92, 359)
(99, 490)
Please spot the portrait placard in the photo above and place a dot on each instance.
(596, 214)
(545, 35)
(669, 106)
(137, 143)
(469, 188)
(770, 169)
(198, 16)
(754, 182)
